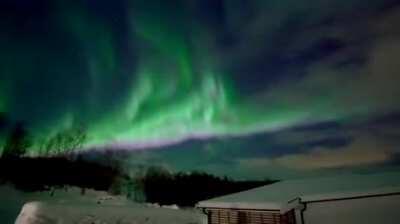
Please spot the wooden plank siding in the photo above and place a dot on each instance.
(238, 216)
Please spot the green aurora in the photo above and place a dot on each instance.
(149, 73)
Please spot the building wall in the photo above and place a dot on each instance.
(372, 210)
(238, 216)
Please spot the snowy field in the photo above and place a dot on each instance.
(70, 207)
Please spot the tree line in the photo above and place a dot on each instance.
(186, 189)
(56, 168)
(18, 140)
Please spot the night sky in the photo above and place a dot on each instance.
(245, 88)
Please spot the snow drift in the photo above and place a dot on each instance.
(70, 213)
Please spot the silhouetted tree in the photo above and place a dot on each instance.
(3, 123)
(49, 173)
(3, 120)
(186, 189)
(65, 141)
(17, 142)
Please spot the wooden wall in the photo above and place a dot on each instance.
(241, 216)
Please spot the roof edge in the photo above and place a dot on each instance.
(241, 205)
(350, 195)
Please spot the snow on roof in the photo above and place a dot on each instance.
(282, 195)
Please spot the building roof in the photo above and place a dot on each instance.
(286, 194)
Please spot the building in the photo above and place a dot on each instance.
(345, 199)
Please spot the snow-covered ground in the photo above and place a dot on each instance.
(70, 207)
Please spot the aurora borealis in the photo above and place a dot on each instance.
(231, 87)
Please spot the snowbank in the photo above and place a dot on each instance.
(89, 213)
(69, 206)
